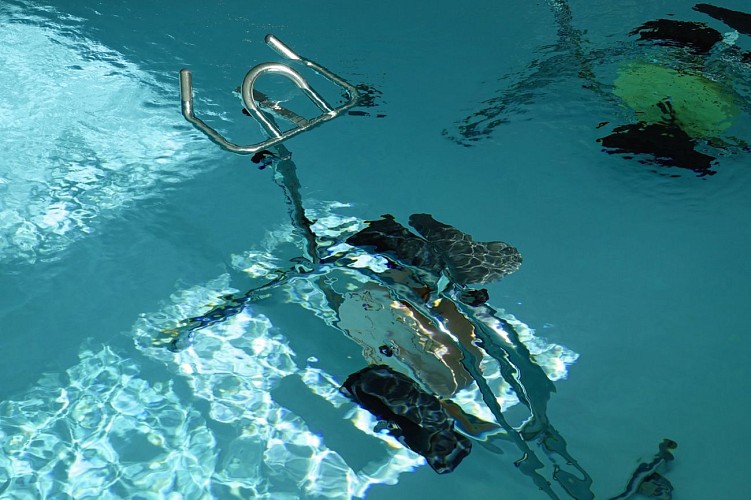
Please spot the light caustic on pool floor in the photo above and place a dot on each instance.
(106, 428)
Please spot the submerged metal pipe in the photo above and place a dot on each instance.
(186, 104)
(287, 52)
(250, 98)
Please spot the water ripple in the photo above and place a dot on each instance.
(85, 132)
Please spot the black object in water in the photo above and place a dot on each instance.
(647, 481)
(368, 98)
(697, 37)
(387, 236)
(737, 20)
(263, 158)
(443, 248)
(666, 143)
(467, 261)
(474, 298)
(416, 418)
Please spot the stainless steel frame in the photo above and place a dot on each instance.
(250, 96)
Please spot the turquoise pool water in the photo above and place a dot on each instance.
(118, 221)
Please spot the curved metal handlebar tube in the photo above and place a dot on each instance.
(287, 52)
(250, 96)
(281, 48)
(255, 111)
(186, 104)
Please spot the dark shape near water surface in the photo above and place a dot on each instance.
(647, 479)
(468, 261)
(698, 37)
(263, 158)
(387, 236)
(386, 350)
(735, 19)
(474, 298)
(442, 247)
(414, 417)
(664, 144)
(369, 97)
